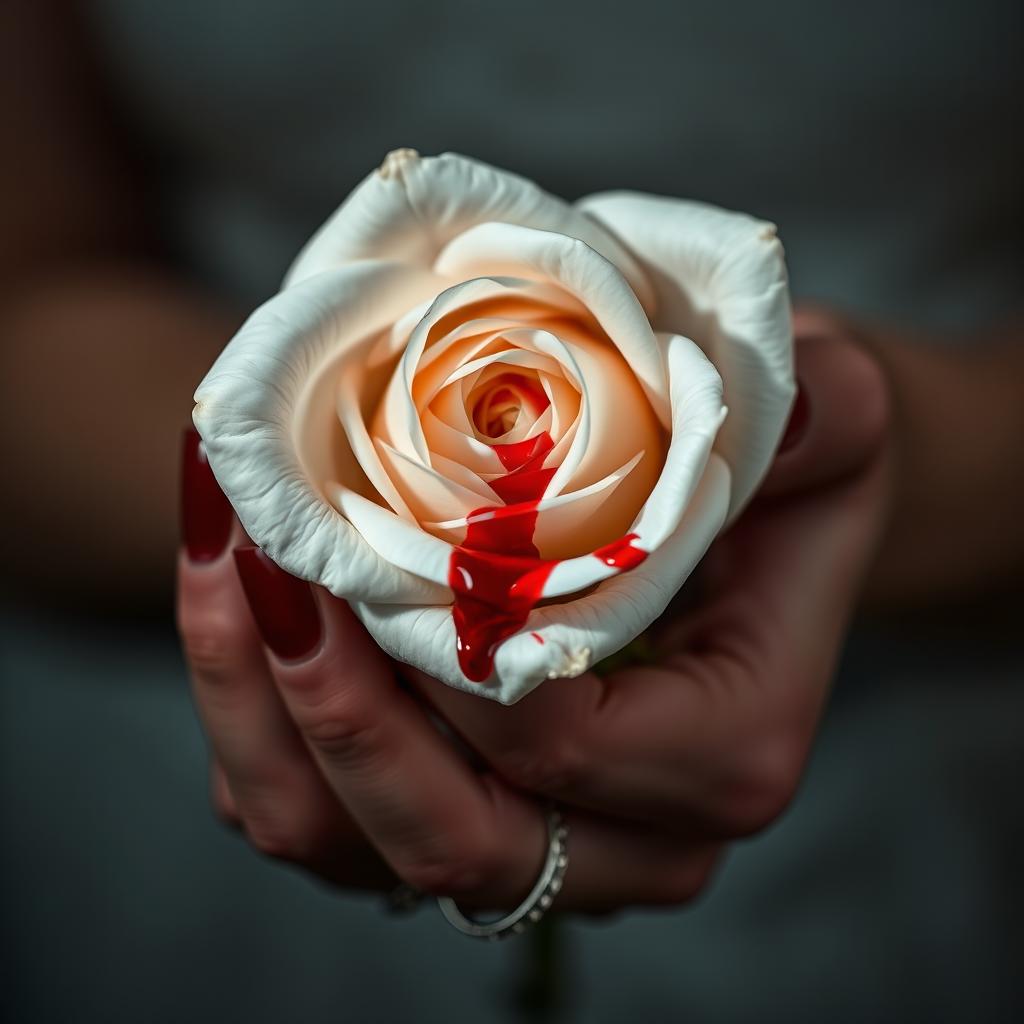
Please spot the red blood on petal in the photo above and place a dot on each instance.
(498, 578)
(497, 574)
(515, 456)
(621, 554)
(526, 479)
(522, 488)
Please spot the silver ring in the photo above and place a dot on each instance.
(536, 905)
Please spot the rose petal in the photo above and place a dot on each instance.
(720, 279)
(398, 418)
(544, 256)
(616, 420)
(459, 446)
(246, 408)
(444, 490)
(697, 416)
(411, 207)
(574, 635)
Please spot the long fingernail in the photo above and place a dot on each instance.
(206, 515)
(799, 417)
(284, 607)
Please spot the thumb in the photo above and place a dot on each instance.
(840, 417)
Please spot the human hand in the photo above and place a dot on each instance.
(323, 760)
(657, 764)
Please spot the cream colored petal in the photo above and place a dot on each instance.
(450, 408)
(412, 206)
(506, 249)
(397, 420)
(620, 423)
(721, 280)
(575, 634)
(349, 371)
(431, 492)
(565, 404)
(246, 410)
(398, 542)
(444, 357)
(523, 359)
(459, 446)
(525, 428)
(571, 447)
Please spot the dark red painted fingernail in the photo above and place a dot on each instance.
(206, 515)
(282, 605)
(799, 417)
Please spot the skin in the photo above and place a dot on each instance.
(658, 766)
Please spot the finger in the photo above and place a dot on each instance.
(269, 781)
(615, 866)
(441, 826)
(839, 417)
(714, 739)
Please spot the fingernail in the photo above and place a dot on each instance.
(282, 605)
(799, 417)
(206, 515)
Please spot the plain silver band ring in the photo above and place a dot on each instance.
(536, 905)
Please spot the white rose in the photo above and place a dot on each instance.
(455, 341)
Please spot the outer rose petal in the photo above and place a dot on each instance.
(576, 634)
(412, 207)
(720, 279)
(246, 414)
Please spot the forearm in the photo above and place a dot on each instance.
(97, 372)
(957, 522)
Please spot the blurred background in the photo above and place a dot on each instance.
(162, 165)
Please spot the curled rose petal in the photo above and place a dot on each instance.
(410, 208)
(495, 422)
(719, 278)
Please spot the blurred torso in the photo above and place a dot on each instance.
(883, 139)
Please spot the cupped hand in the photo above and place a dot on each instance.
(710, 738)
(325, 759)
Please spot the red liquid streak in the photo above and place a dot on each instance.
(497, 573)
(621, 554)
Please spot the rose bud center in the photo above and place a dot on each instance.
(499, 405)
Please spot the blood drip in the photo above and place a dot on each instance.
(497, 573)
(621, 554)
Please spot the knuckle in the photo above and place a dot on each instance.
(465, 867)
(342, 725)
(552, 767)
(765, 784)
(210, 644)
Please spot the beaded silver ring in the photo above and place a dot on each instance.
(536, 904)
